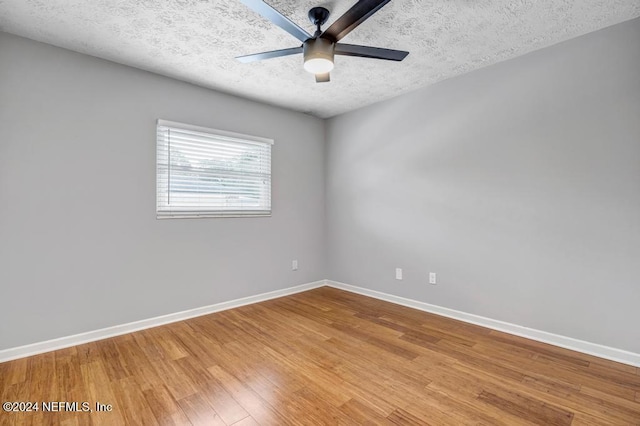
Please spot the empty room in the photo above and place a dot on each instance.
(340, 212)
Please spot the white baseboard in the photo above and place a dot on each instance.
(594, 349)
(104, 333)
(589, 348)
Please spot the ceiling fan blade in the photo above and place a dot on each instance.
(322, 78)
(277, 18)
(370, 52)
(268, 55)
(353, 17)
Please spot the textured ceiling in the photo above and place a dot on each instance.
(197, 40)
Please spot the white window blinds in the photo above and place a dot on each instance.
(211, 173)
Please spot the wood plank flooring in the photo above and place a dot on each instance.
(323, 357)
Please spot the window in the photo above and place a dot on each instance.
(211, 173)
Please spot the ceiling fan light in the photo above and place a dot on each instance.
(318, 65)
(318, 55)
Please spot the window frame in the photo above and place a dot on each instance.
(206, 212)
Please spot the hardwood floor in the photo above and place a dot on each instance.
(323, 357)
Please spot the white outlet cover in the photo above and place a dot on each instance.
(432, 278)
(398, 273)
(294, 265)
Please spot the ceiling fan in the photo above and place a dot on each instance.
(319, 49)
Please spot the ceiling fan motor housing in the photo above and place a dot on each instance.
(318, 48)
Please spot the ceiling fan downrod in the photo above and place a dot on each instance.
(318, 16)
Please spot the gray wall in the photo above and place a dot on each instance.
(519, 184)
(80, 247)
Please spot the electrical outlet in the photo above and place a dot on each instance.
(398, 273)
(432, 278)
(294, 265)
